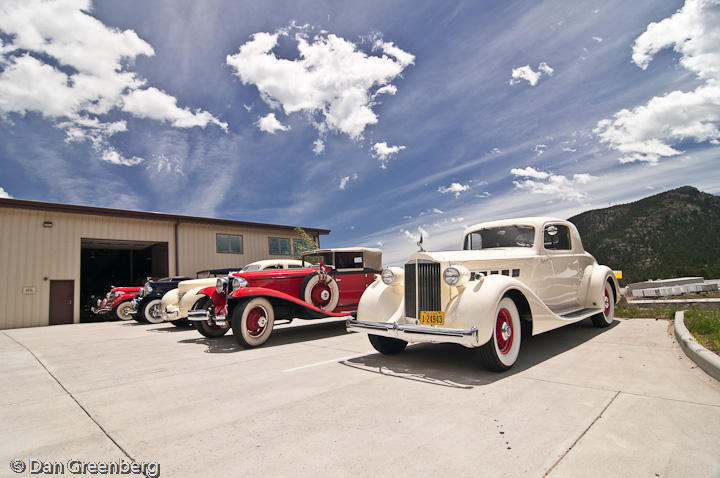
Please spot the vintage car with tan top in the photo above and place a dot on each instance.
(329, 284)
(511, 274)
(178, 302)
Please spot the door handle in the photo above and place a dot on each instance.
(544, 259)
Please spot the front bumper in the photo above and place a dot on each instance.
(200, 315)
(415, 333)
(170, 314)
(100, 310)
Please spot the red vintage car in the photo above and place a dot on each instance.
(329, 284)
(116, 303)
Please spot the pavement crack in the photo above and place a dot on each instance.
(562, 457)
(89, 415)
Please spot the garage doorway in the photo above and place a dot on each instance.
(105, 263)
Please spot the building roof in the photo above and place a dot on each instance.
(154, 216)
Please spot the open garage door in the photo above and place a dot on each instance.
(105, 263)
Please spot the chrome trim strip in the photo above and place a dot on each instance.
(415, 333)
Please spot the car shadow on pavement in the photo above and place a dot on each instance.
(281, 335)
(452, 365)
(170, 328)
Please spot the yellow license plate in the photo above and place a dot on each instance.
(432, 318)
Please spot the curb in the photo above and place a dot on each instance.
(704, 358)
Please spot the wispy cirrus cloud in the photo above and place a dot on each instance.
(653, 131)
(61, 62)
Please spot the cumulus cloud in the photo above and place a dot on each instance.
(344, 181)
(158, 105)
(111, 155)
(4, 194)
(528, 74)
(652, 131)
(270, 124)
(332, 80)
(59, 61)
(541, 182)
(455, 188)
(384, 153)
(318, 146)
(415, 235)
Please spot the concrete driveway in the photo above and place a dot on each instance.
(317, 401)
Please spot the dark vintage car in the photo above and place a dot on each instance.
(329, 284)
(147, 304)
(117, 303)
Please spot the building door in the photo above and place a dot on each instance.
(62, 294)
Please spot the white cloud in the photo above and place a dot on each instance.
(318, 146)
(530, 172)
(455, 188)
(75, 70)
(386, 90)
(552, 184)
(528, 74)
(415, 236)
(4, 194)
(384, 153)
(651, 132)
(484, 194)
(332, 80)
(540, 149)
(111, 155)
(598, 39)
(344, 181)
(270, 124)
(158, 105)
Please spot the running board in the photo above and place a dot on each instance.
(580, 314)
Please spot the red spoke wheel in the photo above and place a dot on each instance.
(323, 294)
(502, 350)
(252, 322)
(607, 316)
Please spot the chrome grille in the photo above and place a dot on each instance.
(422, 287)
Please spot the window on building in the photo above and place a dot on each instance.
(228, 244)
(299, 246)
(279, 245)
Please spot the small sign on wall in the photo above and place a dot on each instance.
(30, 290)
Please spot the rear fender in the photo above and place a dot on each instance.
(596, 287)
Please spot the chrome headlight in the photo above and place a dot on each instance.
(221, 285)
(392, 275)
(149, 288)
(238, 282)
(456, 275)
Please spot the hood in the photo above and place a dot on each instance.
(495, 254)
(126, 290)
(186, 285)
(275, 273)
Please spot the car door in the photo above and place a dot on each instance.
(351, 278)
(561, 293)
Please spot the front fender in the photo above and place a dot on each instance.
(596, 286)
(189, 299)
(121, 298)
(250, 292)
(382, 303)
(169, 302)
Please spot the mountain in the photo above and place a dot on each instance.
(671, 234)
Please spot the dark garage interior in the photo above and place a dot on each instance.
(105, 263)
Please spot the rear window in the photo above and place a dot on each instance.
(504, 236)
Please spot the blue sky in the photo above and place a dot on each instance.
(379, 120)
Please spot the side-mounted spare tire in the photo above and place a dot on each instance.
(321, 294)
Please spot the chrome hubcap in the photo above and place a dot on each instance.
(325, 295)
(262, 322)
(506, 331)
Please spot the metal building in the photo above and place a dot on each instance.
(53, 257)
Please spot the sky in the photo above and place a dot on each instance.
(380, 120)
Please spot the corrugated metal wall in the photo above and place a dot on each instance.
(31, 255)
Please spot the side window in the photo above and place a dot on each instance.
(279, 245)
(228, 244)
(557, 237)
(348, 260)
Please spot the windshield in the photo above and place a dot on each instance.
(505, 236)
(315, 258)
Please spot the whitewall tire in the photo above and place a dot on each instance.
(252, 322)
